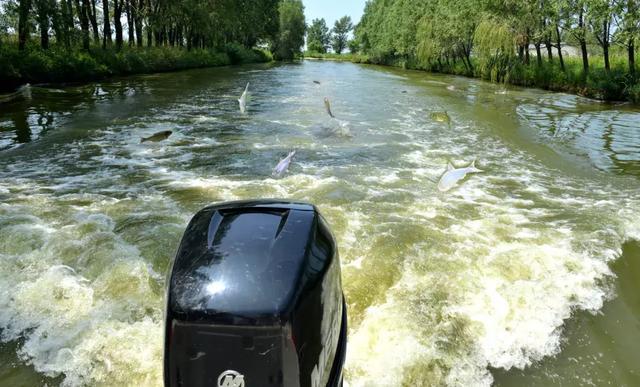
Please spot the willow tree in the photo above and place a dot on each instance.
(291, 31)
(494, 46)
(445, 34)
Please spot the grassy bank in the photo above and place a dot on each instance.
(355, 58)
(59, 65)
(614, 85)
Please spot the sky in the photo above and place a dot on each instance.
(332, 10)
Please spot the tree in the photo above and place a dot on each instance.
(44, 9)
(83, 15)
(93, 19)
(291, 32)
(354, 46)
(318, 36)
(340, 31)
(106, 40)
(23, 23)
(117, 23)
(600, 18)
(630, 30)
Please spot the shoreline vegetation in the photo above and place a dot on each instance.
(60, 66)
(585, 47)
(615, 86)
(66, 41)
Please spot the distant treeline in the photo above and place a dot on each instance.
(215, 26)
(492, 39)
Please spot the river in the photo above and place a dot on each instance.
(525, 274)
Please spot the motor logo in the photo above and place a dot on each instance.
(231, 378)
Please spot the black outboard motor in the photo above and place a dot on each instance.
(255, 299)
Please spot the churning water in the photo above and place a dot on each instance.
(441, 287)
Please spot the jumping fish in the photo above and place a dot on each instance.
(453, 175)
(316, 82)
(451, 88)
(327, 105)
(283, 165)
(157, 137)
(441, 117)
(243, 100)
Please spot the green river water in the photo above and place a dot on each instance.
(527, 274)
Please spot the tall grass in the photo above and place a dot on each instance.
(58, 64)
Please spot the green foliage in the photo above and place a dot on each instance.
(354, 58)
(494, 48)
(291, 32)
(354, 46)
(340, 31)
(318, 36)
(57, 64)
(490, 39)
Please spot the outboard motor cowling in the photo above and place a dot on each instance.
(254, 299)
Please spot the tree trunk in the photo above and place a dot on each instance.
(538, 54)
(549, 49)
(117, 24)
(138, 21)
(632, 57)
(84, 22)
(60, 24)
(44, 12)
(69, 22)
(23, 23)
(559, 41)
(585, 55)
(107, 25)
(605, 44)
(130, 27)
(91, 11)
(57, 22)
(520, 52)
(583, 42)
(526, 49)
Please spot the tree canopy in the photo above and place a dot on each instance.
(144, 23)
(318, 36)
(434, 34)
(340, 31)
(292, 29)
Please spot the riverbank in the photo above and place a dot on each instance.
(59, 65)
(614, 85)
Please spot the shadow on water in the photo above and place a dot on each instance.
(601, 349)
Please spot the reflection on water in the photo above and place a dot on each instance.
(609, 135)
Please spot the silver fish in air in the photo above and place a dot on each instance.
(327, 106)
(243, 100)
(453, 175)
(283, 165)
